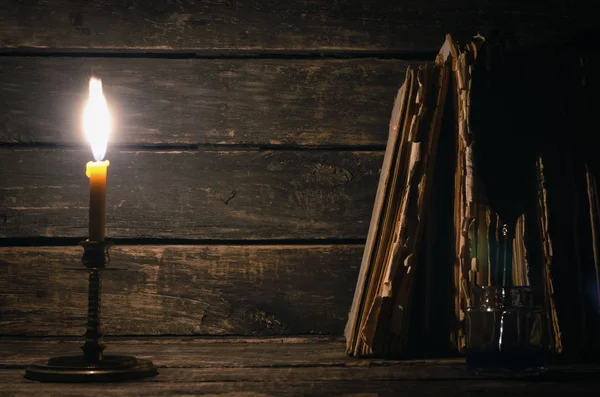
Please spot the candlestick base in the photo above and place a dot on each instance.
(93, 365)
(77, 369)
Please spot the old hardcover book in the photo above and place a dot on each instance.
(378, 320)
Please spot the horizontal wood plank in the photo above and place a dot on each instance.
(291, 374)
(201, 367)
(222, 352)
(321, 388)
(181, 290)
(191, 194)
(268, 25)
(202, 101)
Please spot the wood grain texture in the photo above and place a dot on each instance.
(202, 101)
(191, 194)
(270, 25)
(181, 290)
(219, 353)
(365, 372)
(246, 368)
(289, 387)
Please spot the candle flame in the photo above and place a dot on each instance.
(96, 120)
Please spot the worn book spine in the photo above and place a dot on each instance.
(379, 316)
(352, 340)
(553, 324)
(470, 262)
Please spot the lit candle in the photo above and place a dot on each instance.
(97, 126)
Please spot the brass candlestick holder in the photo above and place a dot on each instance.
(93, 365)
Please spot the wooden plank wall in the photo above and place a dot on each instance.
(245, 158)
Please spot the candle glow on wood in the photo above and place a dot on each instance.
(97, 128)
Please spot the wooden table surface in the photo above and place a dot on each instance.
(276, 367)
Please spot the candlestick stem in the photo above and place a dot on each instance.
(92, 349)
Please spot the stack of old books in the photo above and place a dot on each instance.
(434, 158)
